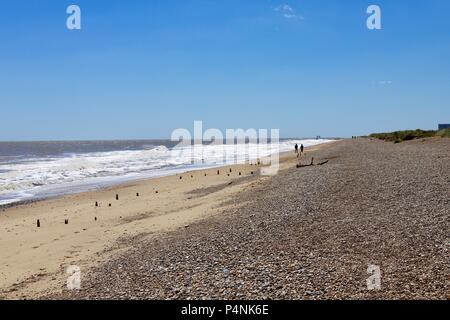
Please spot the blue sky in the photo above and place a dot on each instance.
(140, 69)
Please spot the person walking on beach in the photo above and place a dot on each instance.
(301, 149)
(296, 148)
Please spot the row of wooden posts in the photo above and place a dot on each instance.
(66, 221)
(218, 173)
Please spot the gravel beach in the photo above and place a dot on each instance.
(306, 233)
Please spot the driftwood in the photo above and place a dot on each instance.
(312, 164)
(306, 165)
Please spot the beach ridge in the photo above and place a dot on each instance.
(314, 232)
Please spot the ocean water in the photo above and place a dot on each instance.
(35, 170)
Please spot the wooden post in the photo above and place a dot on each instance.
(38, 223)
(117, 197)
(66, 221)
(96, 203)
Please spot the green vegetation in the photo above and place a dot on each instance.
(444, 133)
(400, 136)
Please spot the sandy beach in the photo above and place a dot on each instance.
(35, 259)
(306, 233)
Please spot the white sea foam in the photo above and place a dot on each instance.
(44, 177)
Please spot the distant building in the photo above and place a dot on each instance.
(444, 126)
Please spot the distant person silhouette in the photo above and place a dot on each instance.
(301, 149)
(296, 148)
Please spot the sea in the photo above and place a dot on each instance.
(39, 170)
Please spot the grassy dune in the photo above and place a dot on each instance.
(400, 136)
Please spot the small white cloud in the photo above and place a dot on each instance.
(288, 12)
(385, 82)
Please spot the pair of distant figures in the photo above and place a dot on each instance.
(302, 148)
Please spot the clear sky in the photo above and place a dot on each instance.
(140, 69)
